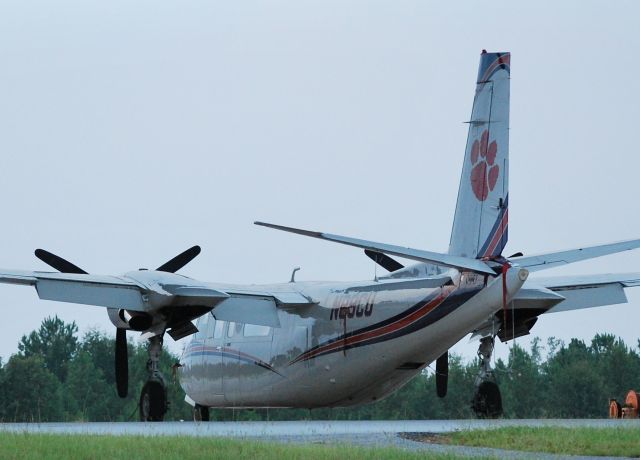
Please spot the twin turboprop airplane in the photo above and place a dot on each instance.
(327, 344)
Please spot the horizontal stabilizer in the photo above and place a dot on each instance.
(556, 259)
(436, 258)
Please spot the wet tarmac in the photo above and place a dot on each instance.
(399, 434)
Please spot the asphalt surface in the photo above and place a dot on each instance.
(379, 433)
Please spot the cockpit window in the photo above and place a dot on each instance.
(235, 329)
(201, 324)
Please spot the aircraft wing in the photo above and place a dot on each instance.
(153, 291)
(555, 259)
(103, 291)
(556, 294)
(419, 255)
(589, 290)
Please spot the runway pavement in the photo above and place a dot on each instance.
(298, 428)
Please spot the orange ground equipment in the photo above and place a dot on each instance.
(632, 404)
(615, 409)
(630, 409)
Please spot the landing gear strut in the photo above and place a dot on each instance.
(487, 402)
(153, 399)
(200, 413)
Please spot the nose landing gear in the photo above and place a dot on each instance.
(153, 398)
(487, 401)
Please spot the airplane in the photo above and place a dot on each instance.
(335, 344)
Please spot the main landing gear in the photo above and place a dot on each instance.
(200, 413)
(153, 398)
(487, 402)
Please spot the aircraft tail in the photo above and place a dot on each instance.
(482, 212)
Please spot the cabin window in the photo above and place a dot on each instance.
(235, 329)
(218, 331)
(211, 327)
(254, 330)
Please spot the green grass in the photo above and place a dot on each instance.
(39, 446)
(577, 441)
(616, 442)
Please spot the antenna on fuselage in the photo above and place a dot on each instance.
(293, 275)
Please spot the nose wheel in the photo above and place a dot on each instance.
(487, 401)
(153, 398)
(153, 401)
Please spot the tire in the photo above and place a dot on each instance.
(200, 413)
(487, 402)
(153, 402)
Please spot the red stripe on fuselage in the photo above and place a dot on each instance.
(382, 330)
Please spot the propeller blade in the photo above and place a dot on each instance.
(58, 262)
(180, 260)
(384, 260)
(442, 374)
(122, 363)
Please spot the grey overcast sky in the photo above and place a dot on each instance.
(131, 130)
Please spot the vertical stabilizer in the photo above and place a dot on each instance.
(482, 213)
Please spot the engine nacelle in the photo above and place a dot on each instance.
(126, 319)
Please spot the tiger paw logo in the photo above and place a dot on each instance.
(484, 174)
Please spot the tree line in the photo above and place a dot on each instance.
(58, 376)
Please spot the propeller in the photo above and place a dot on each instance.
(180, 260)
(384, 260)
(442, 374)
(121, 352)
(58, 262)
(122, 363)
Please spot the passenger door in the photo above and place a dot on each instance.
(231, 362)
(257, 374)
(212, 357)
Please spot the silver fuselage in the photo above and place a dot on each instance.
(357, 343)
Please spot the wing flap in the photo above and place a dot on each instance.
(248, 309)
(103, 295)
(587, 291)
(589, 297)
(103, 291)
